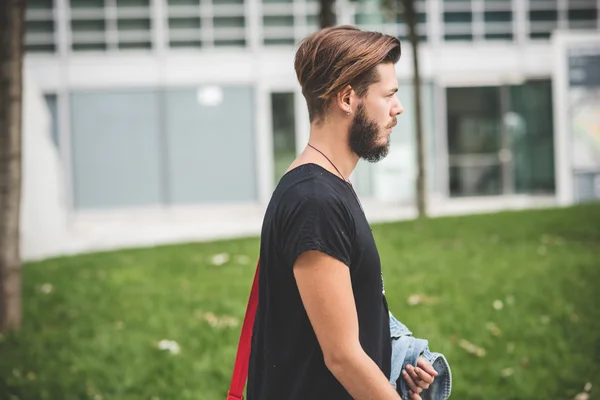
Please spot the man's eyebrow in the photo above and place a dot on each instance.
(394, 90)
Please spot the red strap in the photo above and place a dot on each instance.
(242, 359)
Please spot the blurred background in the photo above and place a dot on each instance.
(156, 130)
(143, 98)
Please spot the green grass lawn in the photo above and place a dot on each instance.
(521, 287)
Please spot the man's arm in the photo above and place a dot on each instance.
(326, 291)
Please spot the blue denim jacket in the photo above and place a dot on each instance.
(406, 349)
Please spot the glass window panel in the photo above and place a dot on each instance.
(89, 46)
(39, 4)
(228, 22)
(475, 180)
(499, 36)
(133, 3)
(497, 16)
(279, 42)
(312, 21)
(133, 24)
(115, 141)
(540, 35)
(543, 15)
(590, 14)
(226, 130)
(587, 185)
(284, 132)
(458, 37)
(44, 40)
(278, 20)
(88, 25)
(40, 48)
(87, 3)
(368, 18)
(373, 12)
(421, 18)
(277, 1)
(530, 126)
(184, 23)
(473, 120)
(402, 38)
(217, 2)
(185, 43)
(39, 27)
(230, 42)
(137, 45)
(458, 17)
(184, 2)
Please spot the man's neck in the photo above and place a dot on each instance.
(332, 141)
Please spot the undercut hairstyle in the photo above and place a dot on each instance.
(331, 59)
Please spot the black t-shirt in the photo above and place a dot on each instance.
(312, 209)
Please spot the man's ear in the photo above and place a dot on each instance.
(344, 100)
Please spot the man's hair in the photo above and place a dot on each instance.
(331, 59)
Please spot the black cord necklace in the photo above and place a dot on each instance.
(341, 175)
(331, 162)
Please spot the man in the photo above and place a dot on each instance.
(322, 325)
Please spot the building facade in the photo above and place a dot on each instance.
(168, 103)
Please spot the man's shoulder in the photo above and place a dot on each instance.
(308, 184)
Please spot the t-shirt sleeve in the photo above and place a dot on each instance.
(317, 222)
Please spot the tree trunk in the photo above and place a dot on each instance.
(12, 15)
(411, 22)
(327, 14)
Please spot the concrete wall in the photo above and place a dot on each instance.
(43, 203)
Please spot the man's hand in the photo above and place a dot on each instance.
(418, 378)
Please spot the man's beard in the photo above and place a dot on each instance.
(363, 138)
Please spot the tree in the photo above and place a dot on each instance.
(410, 17)
(326, 13)
(12, 16)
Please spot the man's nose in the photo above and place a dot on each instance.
(398, 109)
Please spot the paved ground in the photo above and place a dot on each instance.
(107, 230)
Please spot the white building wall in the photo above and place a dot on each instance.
(43, 205)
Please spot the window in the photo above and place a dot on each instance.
(474, 141)
(184, 23)
(229, 30)
(88, 25)
(284, 132)
(547, 15)
(542, 23)
(229, 23)
(133, 24)
(500, 139)
(40, 27)
(373, 15)
(498, 20)
(582, 18)
(458, 20)
(286, 22)
(278, 29)
(530, 126)
(206, 23)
